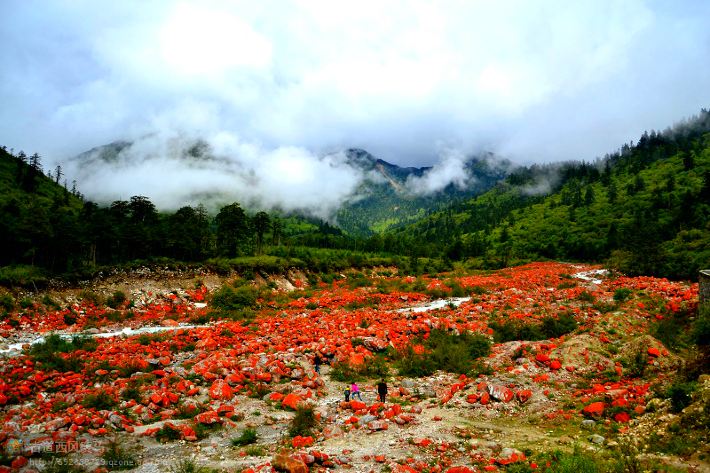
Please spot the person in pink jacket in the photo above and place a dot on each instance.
(355, 391)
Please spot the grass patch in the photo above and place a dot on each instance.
(680, 394)
(550, 327)
(91, 297)
(167, 434)
(49, 353)
(255, 451)
(203, 430)
(116, 300)
(247, 437)
(188, 466)
(443, 351)
(373, 367)
(100, 401)
(303, 423)
(622, 294)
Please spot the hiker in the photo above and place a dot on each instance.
(382, 390)
(316, 363)
(355, 391)
(347, 394)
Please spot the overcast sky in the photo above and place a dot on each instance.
(530, 80)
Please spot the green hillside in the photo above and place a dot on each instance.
(388, 202)
(38, 216)
(645, 209)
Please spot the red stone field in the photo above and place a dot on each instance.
(577, 365)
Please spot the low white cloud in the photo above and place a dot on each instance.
(449, 170)
(170, 170)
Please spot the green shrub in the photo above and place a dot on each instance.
(555, 327)
(117, 457)
(637, 363)
(131, 392)
(586, 296)
(49, 353)
(228, 298)
(374, 367)
(622, 294)
(116, 300)
(256, 451)
(49, 302)
(99, 401)
(167, 434)
(26, 303)
(549, 327)
(304, 422)
(188, 466)
(672, 330)
(575, 462)
(680, 395)
(203, 430)
(89, 296)
(23, 276)
(7, 302)
(444, 351)
(247, 437)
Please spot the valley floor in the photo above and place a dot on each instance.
(175, 396)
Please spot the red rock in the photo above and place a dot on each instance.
(622, 417)
(654, 352)
(523, 395)
(208, 417)
(500, 393)
(291, 401)
(282, 461)
(357, 405)
(594, 409)
(375, 344)
(378, 425)
(169, 323)
(299, 441)
(221, 390)
(555, 365)
(485, 398)
(421, 442)
(542, 357)
(380, 458)
(225, 410)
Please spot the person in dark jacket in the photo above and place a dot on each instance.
(317, 362)
(382, 390)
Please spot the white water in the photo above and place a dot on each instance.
(124, 332)
(437, 304)
(589, 275)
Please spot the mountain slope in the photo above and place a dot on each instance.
(645, 208)
(388, 199)
(38, 217)
(386, 195)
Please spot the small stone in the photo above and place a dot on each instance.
(589, 424)
(596, 439)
